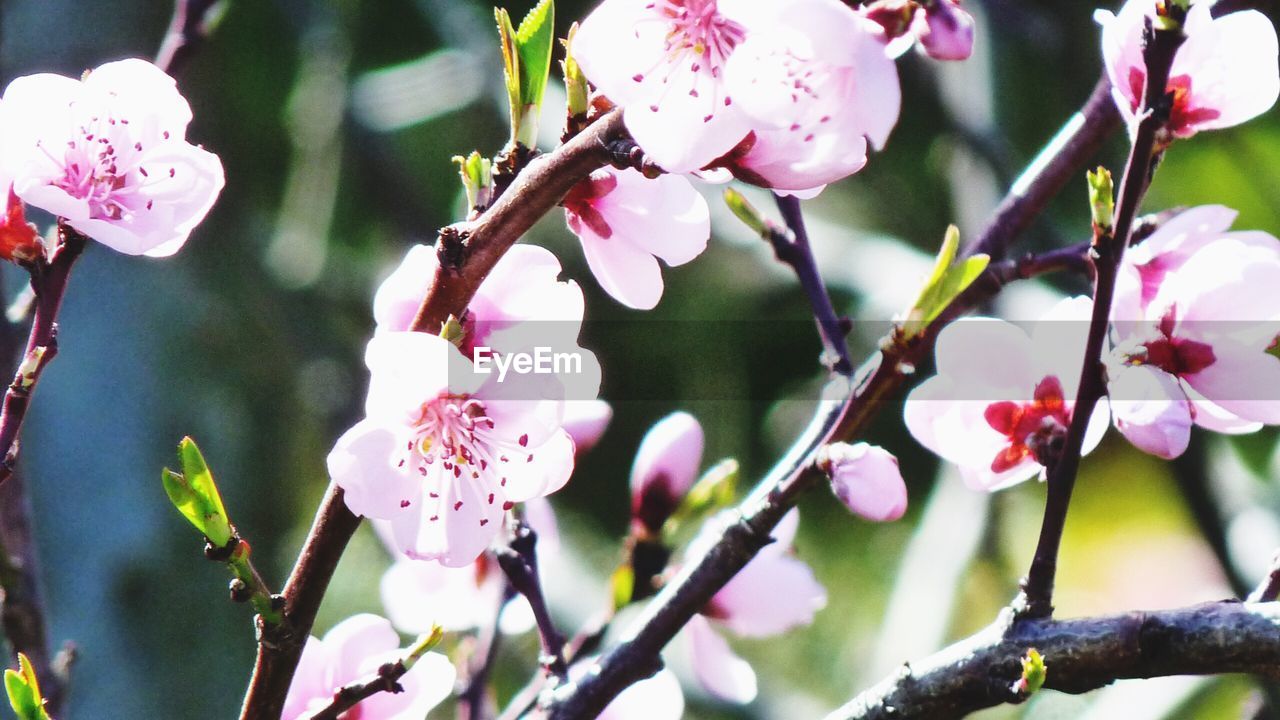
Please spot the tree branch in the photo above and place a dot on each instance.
(1159, 49)
(848, 407)
(468, 251)
(519, 562)
(1081, 655)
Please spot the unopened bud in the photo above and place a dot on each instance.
(867, 480)
(944, 30)
(665, 468)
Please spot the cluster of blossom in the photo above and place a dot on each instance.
(106, 154)
(1194, 315)
(787, 95)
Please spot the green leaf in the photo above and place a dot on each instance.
(1102, 203)
(623, 584)
(195, 495)
(24, 691)
(476, 172)
(575, 83)
(949, 279)
(746, 212)
(715, 490)
(526, 53)
(1034, 673)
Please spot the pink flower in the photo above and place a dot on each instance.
(817, 87)
(867, 480)
(694, 77)
(521, 300)
(1224, 74)
(107, 153)
(418, 594)
(774, 593)
(666, 466)
(944, 30)
(1001, 401)
(1193, 327)
(664, 63)
(444, 452)
(626, 221)
(353, 650)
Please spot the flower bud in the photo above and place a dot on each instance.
(19, 240)
(665, 468)
(866, 479)
(944, 30)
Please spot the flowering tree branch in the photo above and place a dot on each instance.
(1108, 250)
(473, 703)
(855, 403)
(1081, 655)
(468, 251)
(386, 679)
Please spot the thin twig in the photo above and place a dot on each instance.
(187, 31)
(797, 252)
(519, 561)
(468, 252)
(385, 679)
(1109, 246)
(473, 701)
(1080, 654)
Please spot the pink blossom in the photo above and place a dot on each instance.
(774, 593)
(664, 63)
(445, 452)
(1001, 401)
(353, 650)
(419, 594)
(817, 87)
(1224, 74)
(944, 30)
(522, 295)
(586, 421)
(1193, 345)
(666, 466)
(627, 221)
(108, 154)
(867, 480)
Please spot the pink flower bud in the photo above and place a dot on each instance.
(867, 480)
(665, 468)
(944, 31)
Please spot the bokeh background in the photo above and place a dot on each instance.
(336, 122)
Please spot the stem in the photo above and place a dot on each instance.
(1158, 52)
(519, 561)
(280, 646)
(472, 700)
(49, 281)
(187, 31)
(386, 679)
(798, 253)
(1081, 654)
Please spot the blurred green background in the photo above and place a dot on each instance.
(336, 122)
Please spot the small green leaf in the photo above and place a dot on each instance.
(195, 495)
(24, 691)
(623, 585)
(1034, 673)
(526, 54)
(1102, 202)
(575, 83)
(948, 280)
(746, 212)
(476, 172)
(715, 490)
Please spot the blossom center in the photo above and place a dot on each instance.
(1174, 355)
(1034, 429)
(102, 165)
(697, 40)
(1183, 116)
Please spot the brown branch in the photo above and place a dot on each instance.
(1159, 48)
(1080, 655)
(845, 415)
(468, 251)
